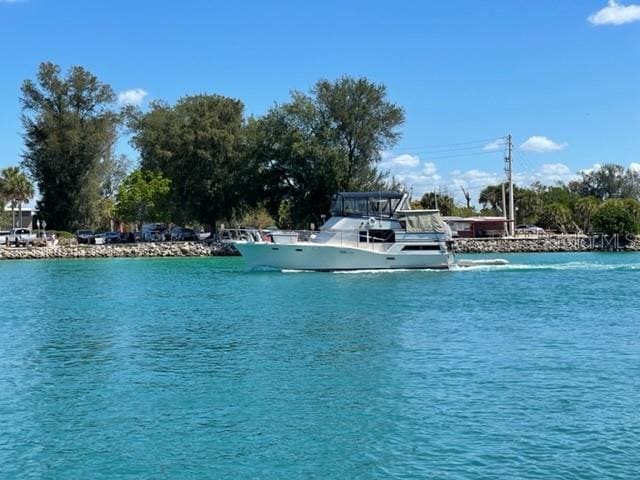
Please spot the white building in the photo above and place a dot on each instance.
(25, 221)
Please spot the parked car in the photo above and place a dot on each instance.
(183, 234)
(112, 237)
(85, 236)
(3, 236)
(99, 238)
(525, 229)
(152, 232)
(20, 236)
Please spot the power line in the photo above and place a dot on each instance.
(444, 145)
(474, 154)
(447, 150)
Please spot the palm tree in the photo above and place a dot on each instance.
(17, 188)
(440, 201)
(492, 196)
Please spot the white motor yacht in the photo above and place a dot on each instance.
(376, 230)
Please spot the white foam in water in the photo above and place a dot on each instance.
(389, 270)
(587, 266)
(552, 266)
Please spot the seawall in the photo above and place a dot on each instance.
(547, 243)
(168, 249)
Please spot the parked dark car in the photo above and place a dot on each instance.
(112, 237)
(85, 236)
(183, 234)
(152, 232)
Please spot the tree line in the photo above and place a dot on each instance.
(203, 160)
(602, 200)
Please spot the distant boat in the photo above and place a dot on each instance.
(366, 231)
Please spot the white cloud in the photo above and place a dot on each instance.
(634, 166)
(615, 14)
(593, 168)
(495, 145)
(133, 97)
(474, 180)
(422, 180)
(429, 169)
(540, 144)
(406, 160)
(547, 174)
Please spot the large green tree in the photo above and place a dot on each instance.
(197, 144)
(361, 124)
(555, 216)
(491, 198)
(70, 127)
(297, 167)
(16, 188)
(608, 181)
(584, 209)
(318, 143)
(143, 196)
(616, 216)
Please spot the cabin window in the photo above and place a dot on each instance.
(421, 247)
(374, 204)
(377, 236)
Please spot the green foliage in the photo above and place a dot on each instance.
(69, 131)
(257, 217)
(284, 214)
(361, 124)
(464, 212)
(61, 234)
(143, 196)
(439, 201)
(616, 216)
(555, 216)
(15, 188)
(608, 181)
(583, 210)
(197, 144)
(491, 200)
(321, 143)
(528, 204)
(633, 207)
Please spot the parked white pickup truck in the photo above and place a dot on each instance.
(20, 236)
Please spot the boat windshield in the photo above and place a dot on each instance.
(357, 204)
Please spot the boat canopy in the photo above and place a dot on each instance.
(422, 221)
(366, 204)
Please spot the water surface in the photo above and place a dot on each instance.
(192, 368)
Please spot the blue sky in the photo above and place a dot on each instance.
(562, 76)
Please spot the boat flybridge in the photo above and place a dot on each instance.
(375, 230)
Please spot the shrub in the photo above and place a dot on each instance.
(615, 217)
(61, 234)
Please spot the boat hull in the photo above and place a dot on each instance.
(309, 256)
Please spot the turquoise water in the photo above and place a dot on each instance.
(191, 368)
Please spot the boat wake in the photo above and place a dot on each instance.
(492, 266)
(585, 266)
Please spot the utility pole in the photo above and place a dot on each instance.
(504, 210)
(508, 170)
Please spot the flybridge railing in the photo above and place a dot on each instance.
(256, 235)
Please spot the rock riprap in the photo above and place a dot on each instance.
(549, 243)
(168, 249)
